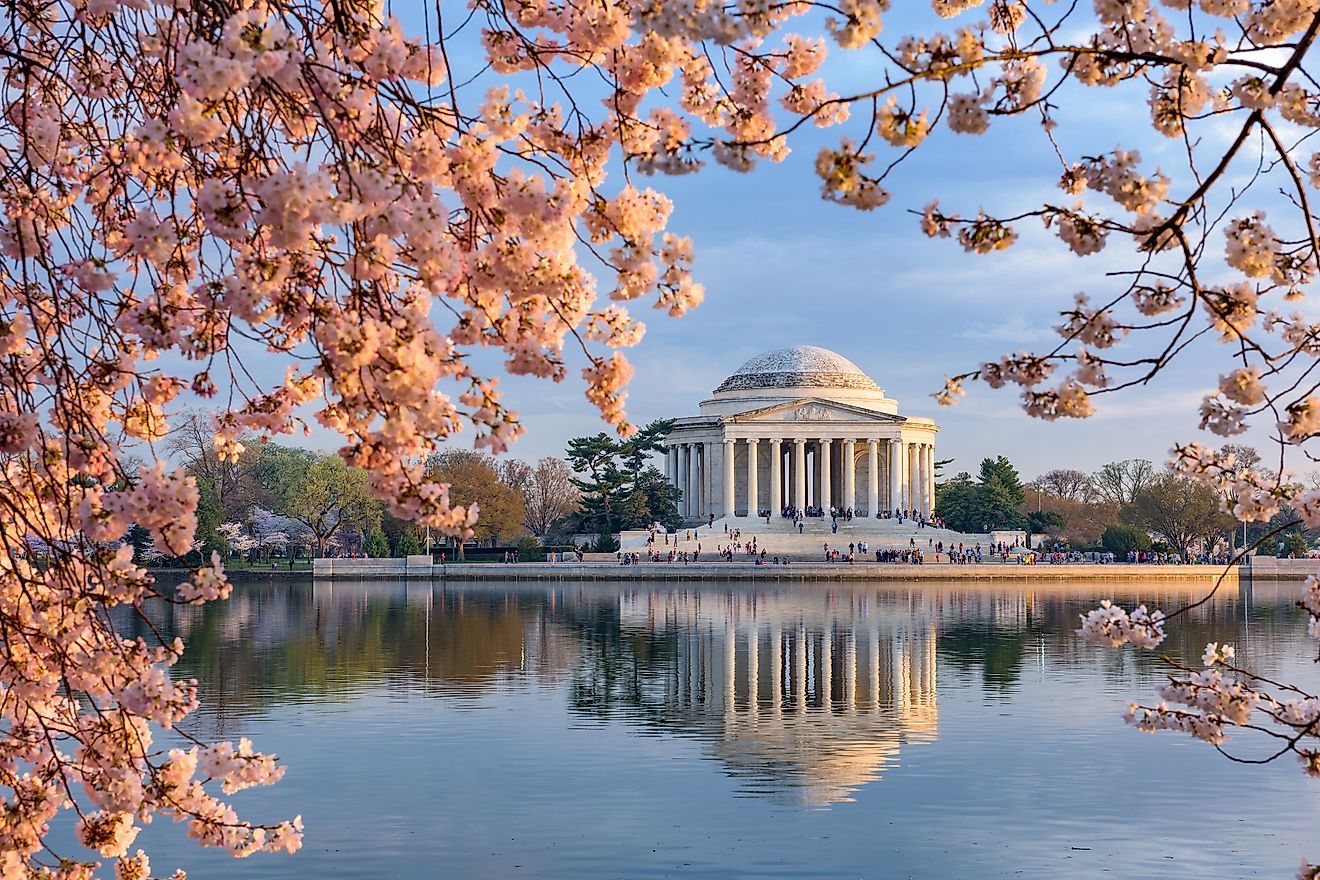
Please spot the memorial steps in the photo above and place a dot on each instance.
(780, 537)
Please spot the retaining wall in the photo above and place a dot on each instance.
(797, 571)
(1269, 568)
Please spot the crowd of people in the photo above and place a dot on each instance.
(663, 546)
(738, 549)
(846, 514)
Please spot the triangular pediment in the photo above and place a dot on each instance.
(812, 409)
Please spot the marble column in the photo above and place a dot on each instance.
(694, 479)
(849, 474)
(813, 476)
(919, 480)
(707, 477)
(872, 477)
(895, 474)
(753, 501)
(727, 501)
(914, 462)
(910, 477)
(932, 479)
(799, 473)
(825, 473)
(776, 477)
(925, 479)
(682, 481)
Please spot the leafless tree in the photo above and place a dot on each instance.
(191, 444)
(550, 495)
(1068, 483)
(1119, 482)
(515, 472)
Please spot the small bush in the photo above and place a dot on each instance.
(1122, 539)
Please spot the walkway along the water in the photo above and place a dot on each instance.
(420, 567)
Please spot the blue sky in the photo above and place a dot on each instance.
(782, 267)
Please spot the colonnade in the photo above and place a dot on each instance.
(761, 665)
(801, 472)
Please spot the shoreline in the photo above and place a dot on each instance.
(1261, 571)
(797, 571)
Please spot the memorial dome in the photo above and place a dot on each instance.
(800, 366)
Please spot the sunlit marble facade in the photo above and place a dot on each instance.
(801, 427)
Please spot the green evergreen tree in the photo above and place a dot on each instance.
(955, 501)
(992, 502)
(408, 543)
(601, 483)
(999, 496)
(619, 489)
(999, 472)
(634, 452)
(377, 546)
(658, 500)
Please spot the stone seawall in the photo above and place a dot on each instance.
(1268, 568)
(797, 571)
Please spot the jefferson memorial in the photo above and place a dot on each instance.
(801, 427)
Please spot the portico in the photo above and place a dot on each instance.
(801, 428)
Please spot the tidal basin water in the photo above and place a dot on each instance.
(732, 731)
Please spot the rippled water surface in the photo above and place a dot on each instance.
(594, 731)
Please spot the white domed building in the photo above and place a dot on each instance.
(801, 427)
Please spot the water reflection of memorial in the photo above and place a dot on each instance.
(795, 698)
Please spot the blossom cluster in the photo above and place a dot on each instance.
(1111, 625)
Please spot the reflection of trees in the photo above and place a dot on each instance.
(619, 665)
(292, 642)
(993, 631)
(979, 645)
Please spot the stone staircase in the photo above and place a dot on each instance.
(780, 536)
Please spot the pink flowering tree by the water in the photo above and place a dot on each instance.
(305, 211)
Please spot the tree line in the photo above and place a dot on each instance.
(282, 501)
(278, 500)
(1125, 505)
